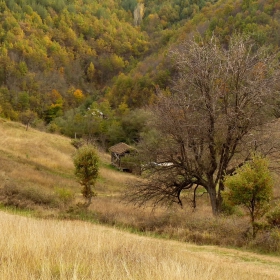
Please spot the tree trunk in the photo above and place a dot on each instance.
(252, 214)
(219, 197)
(214, 200)
(88, 203)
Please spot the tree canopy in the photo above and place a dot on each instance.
(208, 125)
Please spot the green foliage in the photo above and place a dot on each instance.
(65, 196)
(86, 163)
(129, 5)
(273, 217)
(251, 186)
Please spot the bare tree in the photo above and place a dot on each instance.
(210, 122)
(27, 118)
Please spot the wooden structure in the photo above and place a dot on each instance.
(118, 153)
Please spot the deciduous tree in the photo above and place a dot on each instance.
(27, 117)
(86, 169)
(207, 126)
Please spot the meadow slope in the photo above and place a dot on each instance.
(35, 164)
(49, 249)
(39, 160)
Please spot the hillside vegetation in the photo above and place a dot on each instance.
(58, 56)
(97, 71)
(79, 250)
(56, 53)
(38, 167)
(37, 176)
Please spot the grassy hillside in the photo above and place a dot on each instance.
(37, 174)
(38, 167)
(79, 250)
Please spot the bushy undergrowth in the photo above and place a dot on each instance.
(173, 223)
(197, 227)
(32, 198)
(273, 217)
(267, 241)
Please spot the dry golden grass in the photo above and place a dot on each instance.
(50, 151)
(199, 227)
(111, 182)
(43, 162)
(46, 249)
(39, 159)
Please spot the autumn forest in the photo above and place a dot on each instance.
(155, 117)
(65, 61)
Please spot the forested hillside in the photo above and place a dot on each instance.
(59, 58)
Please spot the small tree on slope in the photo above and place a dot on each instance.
(250, 186)
(86, 170)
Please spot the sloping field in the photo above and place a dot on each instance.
(42, 160)
(48, 249)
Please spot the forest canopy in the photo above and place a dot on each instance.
(64, 55)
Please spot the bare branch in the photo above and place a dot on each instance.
(209, 125)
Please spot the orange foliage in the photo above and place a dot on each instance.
(78, 95)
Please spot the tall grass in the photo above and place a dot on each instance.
(45, 249)
(37, 173)
(34, 147)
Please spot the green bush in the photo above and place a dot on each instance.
(250, 187)
(66, 197)
(273, 217)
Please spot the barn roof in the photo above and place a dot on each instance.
(120, 148)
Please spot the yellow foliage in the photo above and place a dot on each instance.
(123, 108)
(56, 105)
(56, 97)
(91, 71)
(78, 94)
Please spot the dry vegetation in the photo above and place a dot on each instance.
(79, 250)
(43, 162)
(37, 173)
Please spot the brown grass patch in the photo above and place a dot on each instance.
(44, 249)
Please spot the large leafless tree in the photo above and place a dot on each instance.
(211, 121)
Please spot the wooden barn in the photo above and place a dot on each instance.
(118, 153)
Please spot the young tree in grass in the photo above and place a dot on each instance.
(250, 186)
(86, 169)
